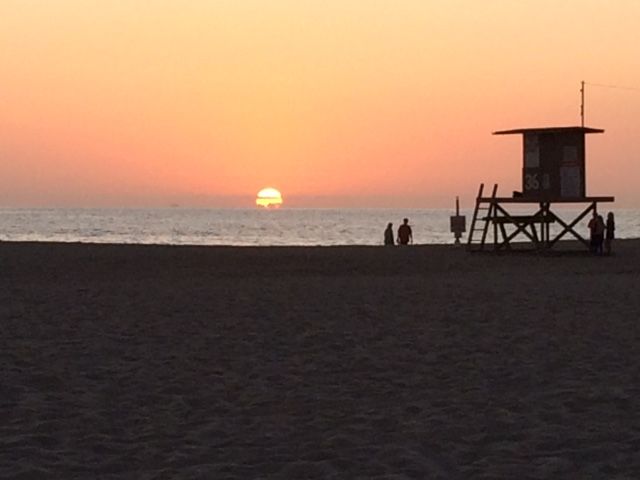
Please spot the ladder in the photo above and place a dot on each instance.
(483, 213)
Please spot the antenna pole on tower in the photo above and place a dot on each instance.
(582, 103)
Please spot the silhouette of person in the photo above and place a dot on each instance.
(597, 227)
(600, 228)
(610, 232)
(405, 235)
(593, 236)
(388, 235)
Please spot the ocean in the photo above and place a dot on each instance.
(245, 227)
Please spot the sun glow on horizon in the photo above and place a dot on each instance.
(269, 198)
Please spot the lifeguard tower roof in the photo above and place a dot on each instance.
(569, 130)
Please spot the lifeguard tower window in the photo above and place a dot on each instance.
(553, 162)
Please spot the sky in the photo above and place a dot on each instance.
(336, 103)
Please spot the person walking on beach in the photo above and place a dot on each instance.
(388, 235)
(405, 235)
(610, 233)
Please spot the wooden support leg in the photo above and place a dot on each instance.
(534, 234)
(520, 228)
(504, 242)
(544, 224)
(569, 228)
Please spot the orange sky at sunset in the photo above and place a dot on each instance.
(336, 103)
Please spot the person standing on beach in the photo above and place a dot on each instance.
(405, 235)
(388, 235)
(600, 228)
(597, 227)
(593, 236)
(610, 233)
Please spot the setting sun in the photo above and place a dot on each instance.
(269, 198)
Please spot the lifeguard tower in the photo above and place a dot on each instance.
(553, 172)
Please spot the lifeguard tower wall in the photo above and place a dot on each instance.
(553, 164)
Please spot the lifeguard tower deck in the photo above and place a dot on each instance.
(553, 172)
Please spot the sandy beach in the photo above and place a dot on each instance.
(154, 362)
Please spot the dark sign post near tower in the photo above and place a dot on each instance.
(553, 171)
